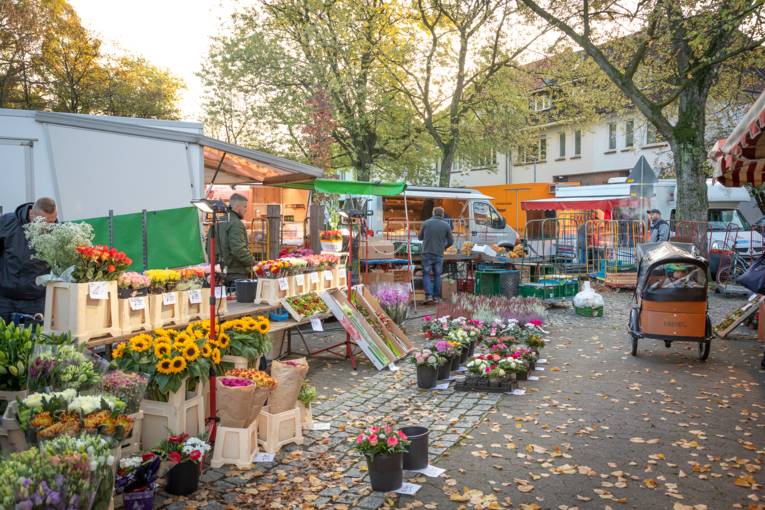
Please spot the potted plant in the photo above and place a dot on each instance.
(132, 284)
(305, 397)
(332, 240)
(427, 362)
(383, 447)
(136, 481)
(459, 336)
(186, 455)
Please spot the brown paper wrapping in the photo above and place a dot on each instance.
(238, 407)
(289, 376)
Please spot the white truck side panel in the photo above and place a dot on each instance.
(12, 175)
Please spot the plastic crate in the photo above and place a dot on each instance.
(489, 283)
(571, 288)
(587, 311)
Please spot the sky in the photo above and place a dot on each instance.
(172, 34)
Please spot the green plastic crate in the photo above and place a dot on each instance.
(571, 288)
(587, 311)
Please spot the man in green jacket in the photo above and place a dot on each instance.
(234, 255)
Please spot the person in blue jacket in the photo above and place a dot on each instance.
(18, 270)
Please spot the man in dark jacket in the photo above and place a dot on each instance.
(659, 227)
(18, 270)
(236, 259)
(436, 236)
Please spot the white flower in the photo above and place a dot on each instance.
(33, 401)
(85, 404)
(130, 462)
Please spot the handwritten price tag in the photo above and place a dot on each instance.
(328, 275)
(408, 489)
(314, 277)
(300, 279)
(392, 367)
(195, 296)
(316, 325)
(137, 303)
(431, 471)
(98, 290)
(220, 292)
(169, 298)
(263, 457)
(283, 284)
(533, 378)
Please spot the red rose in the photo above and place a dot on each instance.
(195, 455)
(174, 457)
(174, 439)
(147, 456)
(111, 268)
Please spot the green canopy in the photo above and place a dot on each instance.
(347, 187)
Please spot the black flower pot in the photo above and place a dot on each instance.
(426, 376)
(444, 370)
(464, 355)
(455, 362)
(183, 479)
(522, 376)
(386, 471)
(245, 290)
(417, 456)
(471, 348)
(532, 365)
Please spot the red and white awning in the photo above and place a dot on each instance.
(740, 159)
(581, 204)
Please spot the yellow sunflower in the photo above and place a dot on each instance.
(162, 350)
(183, 337)
(161, 332)
(206, 350)
(119, 350)
(179, 346)
(215, 356)
(191, 352)
(178, 364)
(224, 341)
(162, 339)
(199, 334)
(165, 366)
(140, 343)
(172, 333)
(264, 325)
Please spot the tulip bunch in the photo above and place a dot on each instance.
(99, 263)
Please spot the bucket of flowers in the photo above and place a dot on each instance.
(485, 373)
(448, 351)
(434, 328)
(383, 447)
(185, 454)
(136, 481)
(332, 240)
(132, 284)
(460, 336)
(394, 300)
(427, 362)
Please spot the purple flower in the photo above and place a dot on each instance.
(25, 505)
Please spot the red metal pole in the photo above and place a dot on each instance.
(213, 333)
(348, 348)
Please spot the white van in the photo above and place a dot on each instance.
(471, 214)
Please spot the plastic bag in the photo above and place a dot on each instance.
(588, 298)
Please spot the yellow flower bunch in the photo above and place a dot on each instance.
(140, 343)
(163, 276)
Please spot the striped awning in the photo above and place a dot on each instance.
(740, 159)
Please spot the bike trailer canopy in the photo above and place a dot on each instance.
(671, 272)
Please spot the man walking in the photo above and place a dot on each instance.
(659, 227)
(18, 270)
(236, 259)
(436, 236)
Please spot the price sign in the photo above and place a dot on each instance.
(263, 457)
(283, 284)
(408, 489)
(195, 296)
(392, 367)
(98, 290)
(300, 279)
(137, 303)
(220, 292)
(314, 277)
(328, 275)
(316, 325)
(169, 298)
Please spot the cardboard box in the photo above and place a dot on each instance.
(377, 249)
(378, 277)
(448, 288)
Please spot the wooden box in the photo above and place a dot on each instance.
(12, 438)
(313, 280)
(184, 411)
(235, 446)
(341, 277)
(328, 279)
(72, 307)
(164, 310)
(131, 445)
(134, 314)
(299, 284)
(277, 430)
(241, 361)
(377, 249)
(391, 329)
(271, 290)
(194, 305)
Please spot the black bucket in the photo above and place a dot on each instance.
(183, 479)
(245, 290)
(464, 354)
(386, 472)
(426, 376)
(471, 348)
(455, 362)
(417, 456)
(444, 371)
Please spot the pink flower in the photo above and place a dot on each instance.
(360, 439)
(487, 370)
(392, 441)
(402, 435)
(535, 322)
(374, 430)
(388, 429)
(427, 318)
(373, 439)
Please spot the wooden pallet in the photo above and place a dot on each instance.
(742, 313)
(621, 280)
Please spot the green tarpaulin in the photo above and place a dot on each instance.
(348, 187)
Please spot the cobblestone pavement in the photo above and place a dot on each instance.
(600, 429)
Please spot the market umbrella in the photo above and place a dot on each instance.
(740, 159)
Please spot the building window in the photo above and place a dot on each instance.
(629, 133)
(562, 144)
(651, 135)
(541, 102)
(577, 143)
(483, 161)
(542, 148)
(611, 136)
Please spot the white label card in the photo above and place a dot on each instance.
(314, 277)
(533, 378)
(168, 298)
(98, 290)
(442, 386)
(408, 489)
(283, 284)
(431, 471)
(316, 325)
(462, 369)
(328, 275)
(392, 367)
(519, 392)
(542, 361)
(320, 426)
(263, 457)
(300, 279)
(541, 369)
(220, 292)
(195, 296)
(137, 303)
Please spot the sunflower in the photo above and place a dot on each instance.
(178, 364)
(183, 337)
(199, 334)
(165, 366)
(264, 326)
(162, 332)
(162, 339)
(191, 352)
(206, 350)
(140, 343)
(215, 356)
(119, 350)
(162, 349)
(172, 333)
(179, 346)
(224, 341)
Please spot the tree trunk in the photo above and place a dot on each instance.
(447, 162)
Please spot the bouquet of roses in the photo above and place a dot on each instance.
(296, 265)
(272, 268)
(181, 448)
(99, 263)
(427, 357)
(383, 439)
(321, 262)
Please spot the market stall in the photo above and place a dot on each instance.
(740, 158)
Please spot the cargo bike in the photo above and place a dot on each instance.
(671, 296)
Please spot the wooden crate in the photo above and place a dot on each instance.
(313, 280)
(395, 331)
(199, 309)
(134, 314)
(164, 314)
(269, 291)
(277, 430)
(328, 279)
(70, 307)
(298, 284)
(12, 438)
(306, 416)
(341, 278)
(131, 445)
(183, 412)
(235, 446)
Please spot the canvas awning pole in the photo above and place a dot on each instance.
(409, 252)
